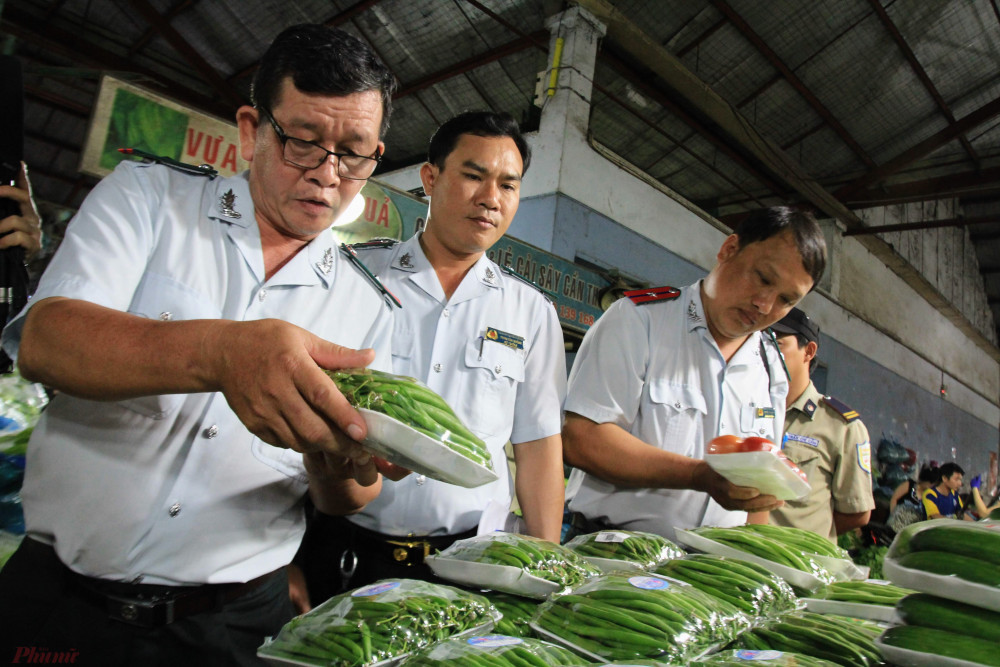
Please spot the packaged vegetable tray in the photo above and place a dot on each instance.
(612, 550)
(749, 587)
(516, 613)
(942, 632)
(511, 563)
(958, 560)
(379, 624)
(411, 425)
(874, 600)
(840, 640)
(795, 566)
(493, 651)
(620, 616)
(748, 658)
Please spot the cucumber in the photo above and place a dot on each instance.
(963, 567)
(941, 642)
(979, 544)
(933, 612)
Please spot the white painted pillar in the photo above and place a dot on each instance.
(574, 35)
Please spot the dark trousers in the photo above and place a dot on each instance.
(46, 615)
(338, 556)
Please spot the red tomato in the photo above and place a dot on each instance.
(725, 444)
(755, 444)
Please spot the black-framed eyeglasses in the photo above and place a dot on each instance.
(310, 155)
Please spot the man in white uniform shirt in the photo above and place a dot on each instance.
(186, 321)
(664, 371)
(490, 344)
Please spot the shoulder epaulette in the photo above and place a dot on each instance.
(650, 294)
(372, 278)
(528, 281)
(375, 243)
(197, 170)
(842, 409)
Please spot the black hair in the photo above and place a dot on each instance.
(323, 61)
(764, 223)
(949, 469)
(802, 341)
(929, 474)
(480, 124)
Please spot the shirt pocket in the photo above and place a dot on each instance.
(403, 350)
(803, 455)
(757, 420)
(159, 297)
(288, 462)
(496, 370)
(680, 412)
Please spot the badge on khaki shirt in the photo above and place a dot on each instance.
(812, 442)
(865, 456)
(504, 338)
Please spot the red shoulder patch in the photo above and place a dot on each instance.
(650, 294)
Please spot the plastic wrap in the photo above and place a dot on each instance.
(517, 612)
(622, 617)
(378, 624)
(872, 600)
(512, 563)
(748, 586)
(747, 658)
(761, 549)
(493, 650)
(955, 574)
(21, 403)
(412, 426)
(623, 548)
(840, 640)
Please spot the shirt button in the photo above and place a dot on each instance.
(761, 431)
(446, 313)
(166, 316)
(212, 431)
(421, 480)
(497, 369)
(262, 295)
(174, 510)
(677, 405)
(437, 368)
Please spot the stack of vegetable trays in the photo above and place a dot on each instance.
(954, 620)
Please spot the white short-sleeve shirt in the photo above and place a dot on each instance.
(174, 489)
(501, 392)
(655, 370)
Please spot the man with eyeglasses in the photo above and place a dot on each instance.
(186, 321)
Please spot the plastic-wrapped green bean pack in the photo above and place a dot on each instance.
(620, 616)
(748, 586)
(517, 612)
(845, 641)
(493, 651)
(388, 619)
(743, 657)
(644, 550)
(543, 560)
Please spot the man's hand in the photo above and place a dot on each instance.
(24, 230)
(730, 496)
(271, 373)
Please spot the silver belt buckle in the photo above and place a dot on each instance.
(141, 612)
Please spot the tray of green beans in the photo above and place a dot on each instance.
(517, 612)
(510, 563)
(494, 651)
(379, 624)
(874, 600)
(623, 616)
(412, 426)
(613, 550)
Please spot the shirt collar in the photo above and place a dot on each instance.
(808, 402)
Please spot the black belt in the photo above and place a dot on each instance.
(149, 605)
(408, 550)
(584, 526)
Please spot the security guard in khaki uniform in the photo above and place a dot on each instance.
(825, 438)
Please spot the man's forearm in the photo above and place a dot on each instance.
(98, 353)
(846, 522)
(540, 488)
(612, 454)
